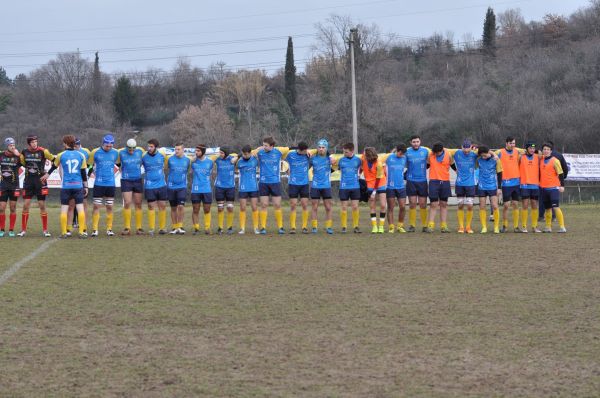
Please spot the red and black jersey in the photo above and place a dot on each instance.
(34, 160)
(9, 169)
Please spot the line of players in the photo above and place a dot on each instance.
(390, 178)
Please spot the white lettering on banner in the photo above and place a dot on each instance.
(583, 167)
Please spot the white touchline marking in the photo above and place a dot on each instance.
(16, 266)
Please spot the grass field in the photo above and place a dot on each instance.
(342, 315)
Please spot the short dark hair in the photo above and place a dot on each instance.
(437, 147)
(179, 144)
(401, 148)
(482, 149)
(548, 144)
(153, 141)
(414, 137)
(510, 138)
(69, 141)
(246, 149)
(349, 146)
(301, 145)
(269, 140)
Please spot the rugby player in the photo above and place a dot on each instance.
(202, 170)
(465, 161)
(225, 188)
(440, 161)
(511, 191)
(10, 163)
(552, 183)
(178, 166)
(104, 159)
(529, 169)
(349, 166)
(321, 186)
(396, 188)
(416, 182)
(490, 176)
(132, 187)
(374, 171)
(298, 184)
(155, 187)
(247, 166)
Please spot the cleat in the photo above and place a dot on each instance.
(162, 232)
(180, 231)
(207, 232)
(329, 231)
(401, 230)
(445, 230)
(110, 233)
(391, 230)
(357, 230)
(281, 231)
(304, 231)
(2, 234)
(547, 230)
(344, 230)
(562, 230)
(491, 218)
(75, 225)
(428, 230)
(11, 234)
(496, 231)
(537, 230)
(425, 229)
(21, 234)
(196, 231)
(524, 230)
(484, 230)
(47, 234)
(140, 231)
(461, 231)
(83, 235)
(229, 231)
(380, 230)
(314, 231)
(517, 230)
(293, 231)
(241, 232)
(411, 229)
(469, 231)
(68, 233)
(256, 231)
(375, 230)
(94, 234)
(126, 232)
(151, 233)
(220, 231)
(263, 231)
(174, 231)
(64, 236)
(503, 229)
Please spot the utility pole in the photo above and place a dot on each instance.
(353, 73)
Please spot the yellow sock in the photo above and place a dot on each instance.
(315, 223)
(535, 213)
(548, 218)
(355, 218)
(126, 218)
(524, 215)
(138, 218)
(483, 218)
(207, 221)
(469, 218)
(505, 223)
(444, 225)
(559, 217)
(263, 219)
(423, 213)
(95, 221)
(279, 218)
(197, 226)
(516, 218)
(305, 215)
(255, 219)
(344, 218)
(82, 224)
(328, 223)
(69, 228)
(381, 222)
(162, 219)
(461, 218)
(151, 219)
(373, 221)
(221, 219)
(496, 219)
(293, 219)
(63, 223)
(229, 219)
(431, 224)
(109, 220)
(242, 219)
(412, 217)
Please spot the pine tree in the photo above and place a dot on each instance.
(4, 80)
(290, 75)
(97, 81)
(124, 101)
(489, 33)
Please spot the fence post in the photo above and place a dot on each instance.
(579, 190)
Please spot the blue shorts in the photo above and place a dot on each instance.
(224, 194)
(103, 192)
(396, 193)
(66, 194)
(482, 193)
(135, 186)
(465, 192)
(529, 193)
(177, 197)
(439, 190)
(511, 193)
(550, 197)
(205, 198)
(269, 189)
(349, 194)
(247, 195)
(298, 191)
(318, 193)
(416, 188)
(152, 195)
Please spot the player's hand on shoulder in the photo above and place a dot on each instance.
(561, 189)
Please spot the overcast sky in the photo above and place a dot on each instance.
(33, 31)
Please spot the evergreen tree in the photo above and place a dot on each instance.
(97, 81)
(4, 80)
(489, 32)
(124, 101)
(290, 75)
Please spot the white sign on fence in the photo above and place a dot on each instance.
(583, 167)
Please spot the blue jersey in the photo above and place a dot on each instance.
(270, 165)
(85, 152)
(299, 165)
(72, 162)
(465, 168)
(201, 175)
(488, 169)
(395, 171)
(104, 166)
(321, 172)
(225, 173)
(131, 164)
(349, 172)
(178, 171)
(247, 170)
(416, 164)
(154, 168)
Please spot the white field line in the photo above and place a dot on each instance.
(16, 266)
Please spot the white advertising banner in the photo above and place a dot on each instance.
(583, 167)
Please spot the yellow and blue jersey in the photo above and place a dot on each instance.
(299, 165)
(225, 173)
(71, 162)
(465, 168)
(395, 171)
(321, 166)
(131, 164)
(247, 170)
(104, 166)
(178, 171)
(154, 168)
(270, 164)
(201, 175)
(488, 170)
(86, 153)
(416, 164)
(349, 168)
